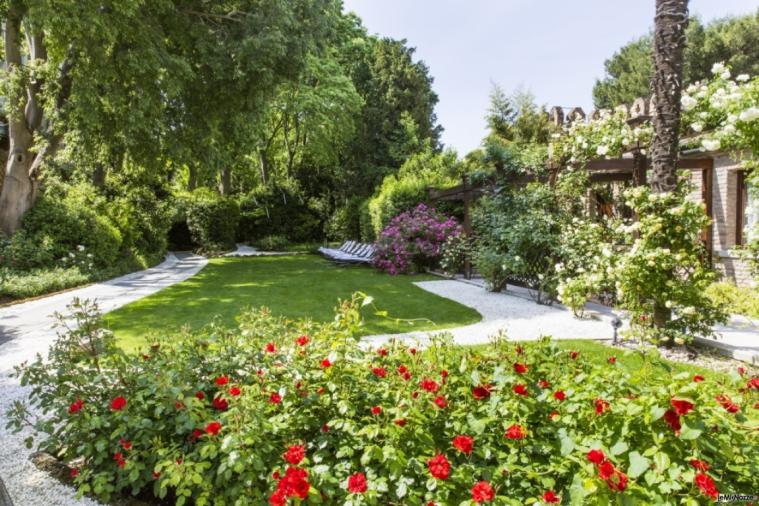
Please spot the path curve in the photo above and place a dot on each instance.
(25, 330)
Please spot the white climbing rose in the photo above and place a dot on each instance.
(602, 150)
(697, 127)
(688, 102)
(711, 144)
(718, 68)
(743, 78)
(749, 114)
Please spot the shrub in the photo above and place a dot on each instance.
(413, 240)
(457, 249)
(279, 211)
(24, 284)
(212, 220)
(491, 265)
(284, 408)
(735, 299)
(273, 243)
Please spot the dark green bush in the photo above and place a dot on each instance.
(278, 211)
(212, 220)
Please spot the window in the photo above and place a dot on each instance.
(747, 212)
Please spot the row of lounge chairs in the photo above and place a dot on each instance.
(351, 252)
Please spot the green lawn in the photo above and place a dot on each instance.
(304, 286)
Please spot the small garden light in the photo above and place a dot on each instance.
(616, 324)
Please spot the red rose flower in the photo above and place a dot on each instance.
(118, 403)
(380, 372)
(76, 406)
(295, 454)
(235, 391)
(596, 456)
(439, 467)
(753, 383)
(200, 395)
(481, 392)
(706, 485)
(519, 350)
(127, 445)
(543, 384)
(382, 352)
(559, 395)
(400, 422)
(482, 492)
(697, 378)
(463, 443)
(550, 497)
(325, 428)
(440, 401)
(682, 407)
(672, 419)
(617, 481)
(574, 354)
(270, 348)
(516, 432)
(414, 394)
(213, 428)
(156, 475)
(357, 483)
(601, 406)
(520, 368)
(699, 465)
(741, 370)
(728, 404)
(325, 363)
(412, 351)
(605, 470)
(119, 458)
(196, 433)
(221, 381)
(302, 340)
(275, 398)
(220, 404)
(520, 390)
(612, 360)
(74, 472)
(444, 374)
(554, 415)
(293, 484)
(376, 410)
(429, 385)
(178, 405)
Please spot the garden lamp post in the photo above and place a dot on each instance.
(616, 324)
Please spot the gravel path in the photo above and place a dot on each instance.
(512, 312)
(26, 330)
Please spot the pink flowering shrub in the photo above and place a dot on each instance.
(284, 412)
(414, 240)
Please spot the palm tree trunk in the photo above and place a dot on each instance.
(669, 44)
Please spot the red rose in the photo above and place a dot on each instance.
(270, 348)
(196, 433)
(550, 497)
(119, 458)
(519, 350)
(520, 368)
(382, 352)
(520, 390)
(444, 375)
(156, 475)
(559, 395)
(482, 492)
(74, 472)
(412, 351)
(463, 443)
(220, 404)
(357, 483)
(706, 485)
(543, 384)
(221, 381)
(753, 383)
(617, 481)
(414, 394)
(672, 419)
(601, 406)
(439, 467)
(554, 415)
(612, 360)
(302, 340)
(605, 470)
(697, 378)
(440, 401)
(400, 422)
(178, 405)
(275, 398)
(726, 403)
(200, 395)
(376, 410)
(380, 372)
(76, 406)
(325, 363)
(235, 391)
(295, 454)
(741, 370)
(516, 432)
(682, 407)
(574, 354)
(127, 445)
(482, 391)
(699, 465)
(596, 456)
(118, 403)
(325, 428)
(293, 484)
(429, 385)
(213, 428)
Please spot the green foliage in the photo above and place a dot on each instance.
(410, 187)
(137, 423)
(735, 299)
(279, 211)
(732, 40)
(212, 220)
(457, 249)
(15, 284)
(273, 243)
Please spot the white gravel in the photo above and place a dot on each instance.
(26, 330)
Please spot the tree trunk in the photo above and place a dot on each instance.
(669, 44)
(225, 184)
(98, 176)
(192, 177)
(264, 163)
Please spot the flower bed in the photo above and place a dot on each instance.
(284, 412)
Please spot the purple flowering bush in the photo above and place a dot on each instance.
(414, 240)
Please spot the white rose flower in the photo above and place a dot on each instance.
(749, 114)
(725, 74)
(718, 68)
(668, 304)
(711, 144)
(703, 115)
(688, 102)
(729, 129)
(743, 78)
(80, 247)
(697, 127)
(602, 150)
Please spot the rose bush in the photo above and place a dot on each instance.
(292, 412)
(414, 240)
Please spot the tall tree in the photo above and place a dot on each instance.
(669, 45)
